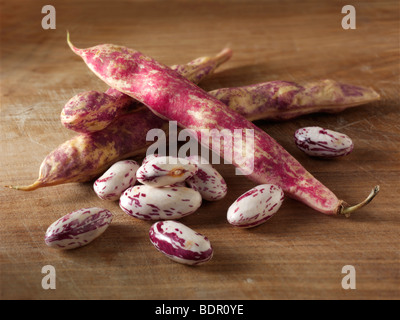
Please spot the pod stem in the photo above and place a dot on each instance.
(347, 211)
(37, 184)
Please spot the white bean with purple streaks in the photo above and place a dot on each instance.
(165, 203)
(208, 181)
(325, 143)
(78, 228)
(163, 171)
(119, 177)
(180, 243)
(149, 157)
(255, 206)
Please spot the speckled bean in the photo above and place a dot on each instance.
(78, 228)
(255, 206)
(163, 171)
(320, 142)
(119, 177)
(180, 243)
(149, 203)
(149, 157)
(207, 180)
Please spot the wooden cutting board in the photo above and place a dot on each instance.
(300, 253)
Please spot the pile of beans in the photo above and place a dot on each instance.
(165, 189)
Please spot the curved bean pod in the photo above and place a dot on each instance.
(86, 156)
(283, 100)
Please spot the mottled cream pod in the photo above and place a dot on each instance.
(283, 100)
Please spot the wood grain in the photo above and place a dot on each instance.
(299, 254)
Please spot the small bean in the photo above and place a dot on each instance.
(163, 171)
(320, 142)
(255, 206)
(180, 243)
(149, 203)
(208, 181)
(78, 228)
(119, 177)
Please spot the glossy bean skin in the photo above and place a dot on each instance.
(323, 143)
(208, 181)
(256, 206)
(119, 177)
(149, 157)
(148, 203)
(180, 243)
(78, 228)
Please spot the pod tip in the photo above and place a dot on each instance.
(13, 187)
(73, 48)
(224, 55)
(33, 186)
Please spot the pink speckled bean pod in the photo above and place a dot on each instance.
(93, 111)
(116, 180)
(164, 171)
(174, 98)
(78, 228)
(148, 203)
(93, 153)
(256, 206)
(208, 181)
(323, 143)
(180, 243)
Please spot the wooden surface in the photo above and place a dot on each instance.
(299, 254)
